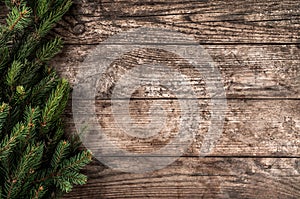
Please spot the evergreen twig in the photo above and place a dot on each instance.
(37, 160)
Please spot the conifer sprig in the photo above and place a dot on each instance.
(37, 159)
(3, 114)
(18, 19)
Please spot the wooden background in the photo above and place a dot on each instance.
(256, 46)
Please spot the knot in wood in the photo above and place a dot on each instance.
(79, 29)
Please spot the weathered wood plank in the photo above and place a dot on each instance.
(90, 22)
(259, 71)
(251, 127)
(259, 178)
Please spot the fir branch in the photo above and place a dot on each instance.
(4, 52)
(10, 141)
(13, 73)
(11, 3)
(35, 158)
(32, 73)
(63, 184)
(19, 95)
(75, 177)
(42, 8)
(54, 16)
(49, 50)
(60, 153)
(30, 160)
(56, 136)
(18, 19)
(28, 46)
(54, 104)
(67, 167)
(43, 88)
(76, 162)
(43, 176)
(31, 116)
(39, 192)
(4, 109)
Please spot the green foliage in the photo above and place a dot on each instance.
(49, 49)
(18, 19)
(11, 140)
(3, 114)
(13, 73)
(37, 160)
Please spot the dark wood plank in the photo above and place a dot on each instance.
(253, 21)
(235, 22)
(259, 178)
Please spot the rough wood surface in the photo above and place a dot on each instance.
(251, 127)
(248, 71)
(256, 46)
(214, 22)
(194, 177)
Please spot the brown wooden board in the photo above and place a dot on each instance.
(193, 177)
(247, 71)
(251, 127)
(214, 22)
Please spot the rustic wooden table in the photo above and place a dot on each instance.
(256, 46)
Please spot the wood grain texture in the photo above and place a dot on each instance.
(250, 21)
(251, 127)
(247, 71)
(210, 22)
(256, 46)
(194, 177)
